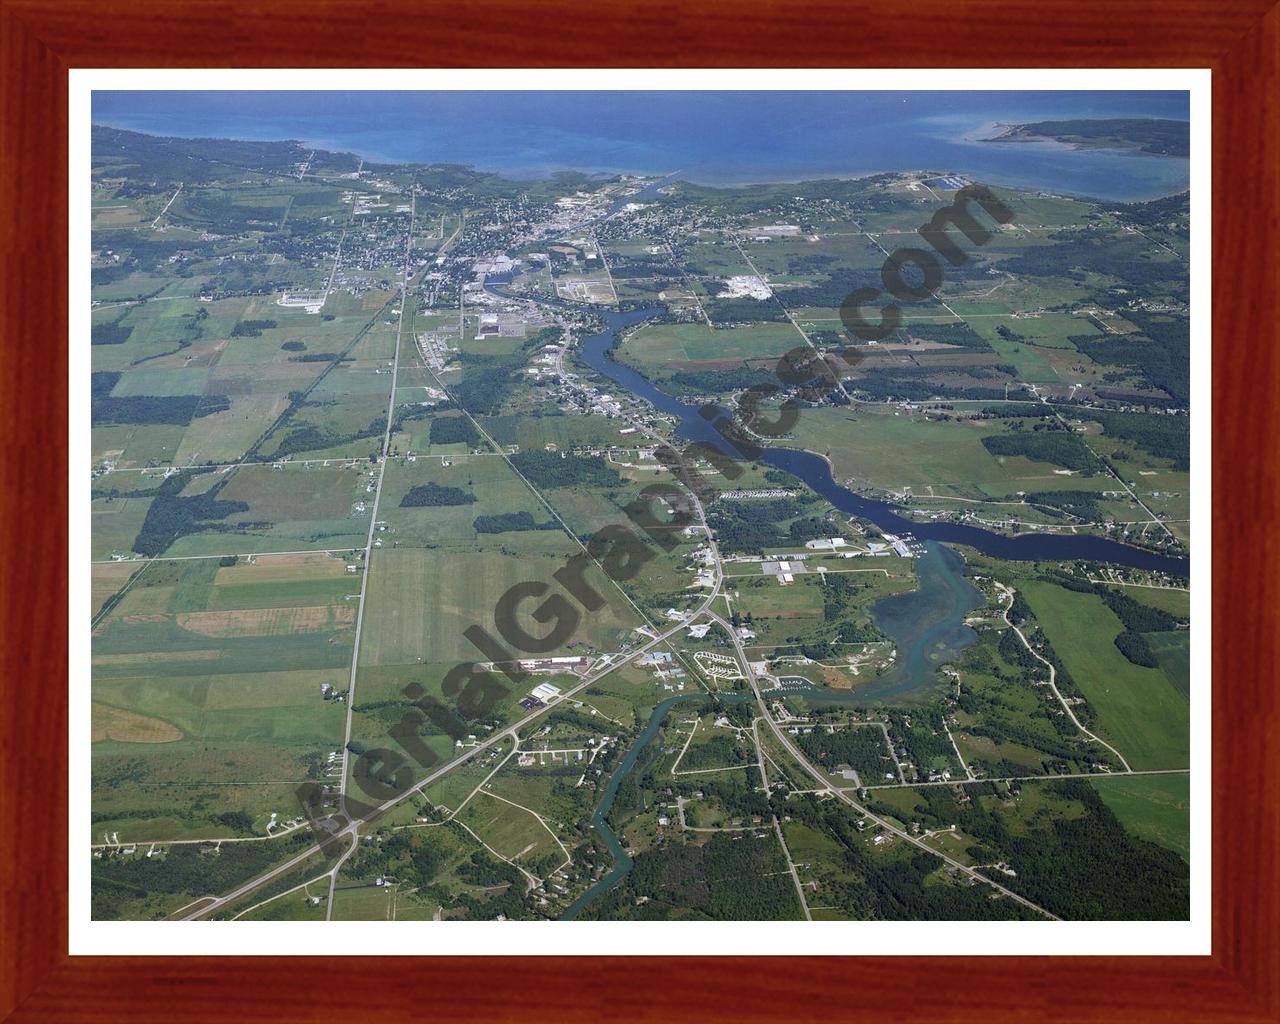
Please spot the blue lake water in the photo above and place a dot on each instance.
(709, 137)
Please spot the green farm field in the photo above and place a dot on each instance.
(1152, 807)
(1138, 709)
(206, 683)
(659, 345)
(421, 600)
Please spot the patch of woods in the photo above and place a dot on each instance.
(1157, 213)
(453, 430)
(113, 332)
(511, 522)
(106, 409)
(1163, 435)
(420, 859)
(251, 328)
(734, 877)
(1160, 354)
(1045, 442)
(702, 382)
(1077, 253)
(193, 869)
(748, 527)
(737, 311)
(861, 747)
(1080, 867)
(171, 516)
(433, 494)
(195, 161)
(564, 469)
(310, 438)
(961, 335)
(1080, 504)
(917, 384)
(921, 733)
(488, 380)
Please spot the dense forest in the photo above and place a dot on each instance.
(1162, 357)
(563, 469)
(511, 522)
(453, 430)
(251, 328)
(738, 876)
(748, 527)
(432, 494)
(171, 516)
(1055, 446)
(861, 747)
(110, 333)
(179, 409)
(1081, 867)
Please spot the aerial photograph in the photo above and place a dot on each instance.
(639, 506)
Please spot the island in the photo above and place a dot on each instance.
(1157, 136)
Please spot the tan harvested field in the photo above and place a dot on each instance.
(282, 569)
(106, 579)
(155, 657)
(145, 600)
(128, 727)
(266, 621)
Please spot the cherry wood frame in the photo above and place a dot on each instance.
(41, 39)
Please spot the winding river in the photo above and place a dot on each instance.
(815, 471)
(622, 862)
(927, 624)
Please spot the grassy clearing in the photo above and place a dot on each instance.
(658, 345)
(1173, 652)
(1154, 807)
(894, 450)
(420, 601)
(1138, 709)
(512, 832)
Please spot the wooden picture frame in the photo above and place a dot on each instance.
(41, 39)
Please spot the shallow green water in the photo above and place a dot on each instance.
(927, 625)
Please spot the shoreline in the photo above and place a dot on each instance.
(548, 173)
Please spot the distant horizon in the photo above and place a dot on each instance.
(733, 138)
